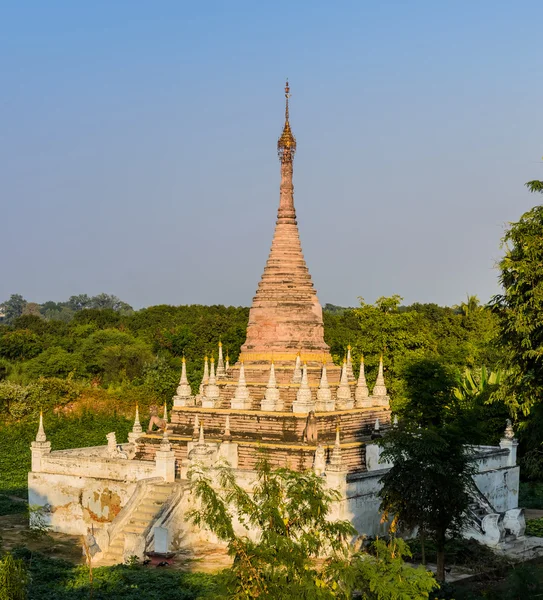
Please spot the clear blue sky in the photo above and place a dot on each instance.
(137, 145)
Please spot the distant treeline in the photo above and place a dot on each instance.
(106, 343)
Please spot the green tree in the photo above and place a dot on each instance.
(428, 485)
(430, 481)
(13, 579)
(520, 311)
(429, 387)
(13, 307)
(54, 362)
(20, 344)
(398, 335)
(287, 512)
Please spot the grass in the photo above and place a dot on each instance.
(460, 553)
(54, 579)
(534, 527)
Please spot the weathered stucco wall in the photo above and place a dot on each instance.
(71, 504)
(500, 486)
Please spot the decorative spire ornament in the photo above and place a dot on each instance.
(508, 434)
(350, 374)
(241, 399)
(271, 400)
(325, 402)
(40, 436)
(210, 399)
(297, 376)
(376, 433)
(304, 402)
(205, 377)
(286, 145)
(166, 412)
(183, 394)
(344, 399)
(221, 371)
(137, 429)
(39, 447)
(336, 460)
(196, 428)
(227, 364)
(361, 393)
(380, 396)
(227, 435)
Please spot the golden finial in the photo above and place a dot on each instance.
(349, 347)
(287, 96)
(212, 359)
(184, 359)
(220, 343)
(286, 145)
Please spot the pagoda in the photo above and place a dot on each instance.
(285, 374)
(284, 399)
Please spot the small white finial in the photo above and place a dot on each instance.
(227, 433)
(40, 436)
(509, 434)
(196, 428)
(137, 428)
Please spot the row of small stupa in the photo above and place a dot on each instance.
(343, 398)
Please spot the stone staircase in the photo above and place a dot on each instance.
(140, 520)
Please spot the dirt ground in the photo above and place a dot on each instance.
(14, 532)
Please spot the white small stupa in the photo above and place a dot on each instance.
(344, 396)
(271, 400)
(325, 401)
(242, 398)
(380, 396)
(183, 393)
(304, 402)
(361, 393)
(211, 397)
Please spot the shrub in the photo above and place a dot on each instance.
(54, 362)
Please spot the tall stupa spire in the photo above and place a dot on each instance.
(281, 321)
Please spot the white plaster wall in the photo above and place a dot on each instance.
(362, 504)
(75, 464)
(500, 486)
(493, 459)
(75, 503)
